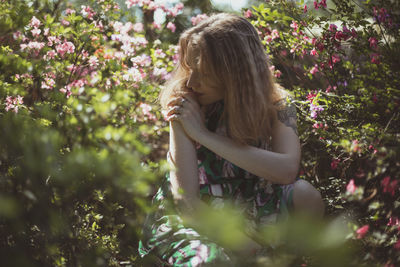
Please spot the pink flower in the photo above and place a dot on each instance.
(311, 95)
(314, 52)
(332, 28)
(93, 61)
(351, 188)
(305, 8)
(320, 46)
(36, 32)
(389, 186)
(65, 22)
(159, 53)
(156, 25)
(52, 40)
(362, 231)
(48, 83)
(66, 90)
(35, 23)
(34, 46)
(50, 55)
(294, 25)
(87, 12)
(314, 69)
(13, 103)
(393, 221)
(146, 108)
(375, 58)
(274, 34)
(315, 110)
(323, 3)
(196, 20)
(66, 47)
(277, 73)
(334, 164)
(373, 42)
(171, 26)
(339, 35)
(316, 6)
(69, 11)
(248, 13)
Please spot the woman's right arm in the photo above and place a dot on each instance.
(184, 176)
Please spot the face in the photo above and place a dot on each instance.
(200, 82)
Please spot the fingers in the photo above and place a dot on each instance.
(177, 101)
(174, 110)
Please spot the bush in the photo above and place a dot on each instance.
(83, 140)
(340, 60)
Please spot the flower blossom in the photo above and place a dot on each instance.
(132, 74)
(196, 20)
(248, 13)
(65, 47)
(13, 103)
(171, 26)
(375, 58)
(66, 90)
(373, 42)
(393, 221)
(362, 231)
(36, 32)
(156, 25)
(389, 186)
(334, 164)
(69, 11)
(93, 61)
(87, 12)
(33, 45)
(315, 110)
(294, 25)
(159, 53)
(351, 187)
(314, 52)
(314, 69)
(142, 60)
(146, 108)
(35, 23)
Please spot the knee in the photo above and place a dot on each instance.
(307, 199)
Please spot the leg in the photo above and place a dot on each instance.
(307, 200)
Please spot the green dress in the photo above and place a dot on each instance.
(168, 239)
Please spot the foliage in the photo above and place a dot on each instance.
(339, 59)
(83, 140)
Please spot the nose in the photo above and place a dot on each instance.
(193, 81)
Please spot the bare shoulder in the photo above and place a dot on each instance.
(286, 110)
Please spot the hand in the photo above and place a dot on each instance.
(187, 112)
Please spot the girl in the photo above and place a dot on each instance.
(233, 139)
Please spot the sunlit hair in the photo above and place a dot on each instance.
(231, 50)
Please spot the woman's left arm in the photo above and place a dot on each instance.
(278, 166)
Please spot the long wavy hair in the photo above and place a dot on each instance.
(232, 52)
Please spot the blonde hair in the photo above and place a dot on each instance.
(231, 50)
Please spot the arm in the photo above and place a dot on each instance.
(279, 165)
(184, 176)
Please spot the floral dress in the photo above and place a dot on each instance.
(261, 203)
